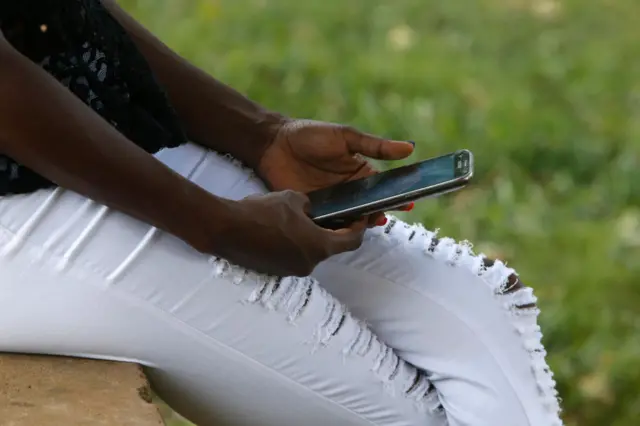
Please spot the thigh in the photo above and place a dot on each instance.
(221, 344)
(467, 323)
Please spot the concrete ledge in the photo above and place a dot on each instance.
(58, 391)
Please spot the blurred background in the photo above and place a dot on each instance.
(545, 92)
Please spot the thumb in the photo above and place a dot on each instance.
(376, 147)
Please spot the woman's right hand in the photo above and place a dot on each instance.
(273, 234)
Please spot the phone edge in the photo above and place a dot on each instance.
(452, 184)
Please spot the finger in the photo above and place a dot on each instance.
(348, 239)
(358, 226)
(298, 200)
(377, 219)
(405, 208)
(373, 220)
(376, 147)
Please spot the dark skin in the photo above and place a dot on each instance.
(300, 155)
(270, 233)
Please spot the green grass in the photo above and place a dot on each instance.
(547, 95)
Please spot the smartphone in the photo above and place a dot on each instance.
(337, 206)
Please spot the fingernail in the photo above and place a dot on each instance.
(412, 143)
(382, 221)
(409, 207)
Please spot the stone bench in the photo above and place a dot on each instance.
(59, 391)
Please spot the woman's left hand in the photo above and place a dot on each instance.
(307, 155)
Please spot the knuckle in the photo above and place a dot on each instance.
(322, 253)
(319, 253)
(357, 243)
(288, 193)
(349, 129)
(295, 197)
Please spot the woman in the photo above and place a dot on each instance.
(119, 239)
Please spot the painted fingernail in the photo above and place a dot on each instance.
(409, 207)
(382, 221)
(412, 143)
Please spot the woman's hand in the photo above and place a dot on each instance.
(307, 155)
(273, 234)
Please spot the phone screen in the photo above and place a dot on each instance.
(391, 183)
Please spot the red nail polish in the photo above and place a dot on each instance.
(409, 207)
(382, 221)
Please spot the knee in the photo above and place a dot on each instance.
(516, 385)
(485, 354)
(507, 409)
(492, 393)
(522, 390)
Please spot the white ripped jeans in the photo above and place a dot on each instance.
(407, 331)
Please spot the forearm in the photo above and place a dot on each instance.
(214, 114)
(48, 129)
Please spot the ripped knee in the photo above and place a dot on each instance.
(510, 295)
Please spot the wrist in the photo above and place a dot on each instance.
(265, 133)
(215, 225)
(245, 136)
(204, 223)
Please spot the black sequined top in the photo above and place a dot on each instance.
(80, 44)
